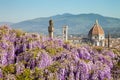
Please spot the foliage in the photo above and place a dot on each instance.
(26, 56)
(9, 69)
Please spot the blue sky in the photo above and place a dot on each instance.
(19, 10)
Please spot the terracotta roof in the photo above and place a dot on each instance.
(96, 29)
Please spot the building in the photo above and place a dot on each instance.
(51, 29)
(96, 35)
(65, 33)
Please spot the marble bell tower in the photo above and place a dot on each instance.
(65, 33)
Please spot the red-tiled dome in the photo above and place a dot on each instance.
(96, 29)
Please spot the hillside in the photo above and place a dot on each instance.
(8, 23)
(78, 24)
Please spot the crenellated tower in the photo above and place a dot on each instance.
(51, 29)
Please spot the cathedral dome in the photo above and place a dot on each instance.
(96, 29)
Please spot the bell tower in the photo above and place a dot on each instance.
(51, 29)
(65, 33)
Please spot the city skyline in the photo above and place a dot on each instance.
(20, 10)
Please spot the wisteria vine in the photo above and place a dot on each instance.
(30, 56)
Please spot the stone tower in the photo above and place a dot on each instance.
(65, 33)
(96, 35)
(50, 29)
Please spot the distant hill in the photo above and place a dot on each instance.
(8, 23)
(78, 24)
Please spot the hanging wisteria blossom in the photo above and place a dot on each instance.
(27, 56)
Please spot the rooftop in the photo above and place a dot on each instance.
(96, 29)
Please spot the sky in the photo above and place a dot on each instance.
(20, 10)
